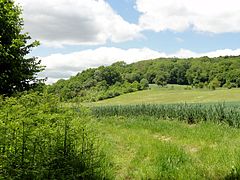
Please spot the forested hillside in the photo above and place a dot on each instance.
(119, 78)
(100, 83)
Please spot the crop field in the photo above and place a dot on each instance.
(171, 133)
(190, 113)
(175, 94)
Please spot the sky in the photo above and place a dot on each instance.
(80, 34)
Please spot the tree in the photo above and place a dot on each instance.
(17, 72)
(161, 78)
(214, 84)
(109, 74)
(144, 83)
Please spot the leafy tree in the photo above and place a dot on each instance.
(214, 84)
(109, 74)
(178, 72)
(136, 86)
(161, 78)
(131, 77)
(229, 85)
(150, 76)
(17, 72)
(144, 83)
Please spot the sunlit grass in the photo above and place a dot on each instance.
(174, 94)
(150, 148)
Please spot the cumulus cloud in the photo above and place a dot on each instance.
(62, 66)
(184, 53)
(215, 16)
(222, 52)
(65, 65)
(75, 22)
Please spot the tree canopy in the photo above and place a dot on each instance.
(119, 78)
(17, 72)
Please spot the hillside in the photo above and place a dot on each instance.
(175, 94)
(120, 78)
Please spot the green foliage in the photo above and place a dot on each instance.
(17, 72)
(191, 113)
(214, 84)
(131, 77)
(119, 78)
(41, 140)
(144, 147)
(144, 83)
(97, 84)
(108, 74)
(161, 78)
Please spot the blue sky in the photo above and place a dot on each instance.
(170, 41)
(79, 34)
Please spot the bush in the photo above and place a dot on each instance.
(136, 86)
(201, 85)
(41, 140)
(229, 85)
(214, 84)
(144, 84)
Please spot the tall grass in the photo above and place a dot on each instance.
(192, 113)
(39, 140)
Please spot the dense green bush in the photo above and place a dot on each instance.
(41, 140)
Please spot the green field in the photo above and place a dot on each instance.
(145, 145)
(149, 148)
(169, 118)
(149, 140)
(175, 94)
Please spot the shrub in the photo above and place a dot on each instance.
(214, 84)
(41, 140)
(201, 85)
(229, 85)
(144, 83)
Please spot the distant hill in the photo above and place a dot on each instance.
(106, 82)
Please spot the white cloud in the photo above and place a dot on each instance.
(65, 65)
(75, 22)
(184, 53)
(215, 16)
(223, 52)
(60, 66)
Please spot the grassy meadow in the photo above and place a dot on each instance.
(150, 148)
(174, 94)
(122, 138)
(170, 139)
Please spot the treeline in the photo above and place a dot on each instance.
(98, 84)
(197, 72)
(119, 78)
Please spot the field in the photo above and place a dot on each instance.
(175, 94)
(159, 141)
(104, 104)
(121, 138)
(144, 147)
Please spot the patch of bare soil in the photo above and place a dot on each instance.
(162, 138)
